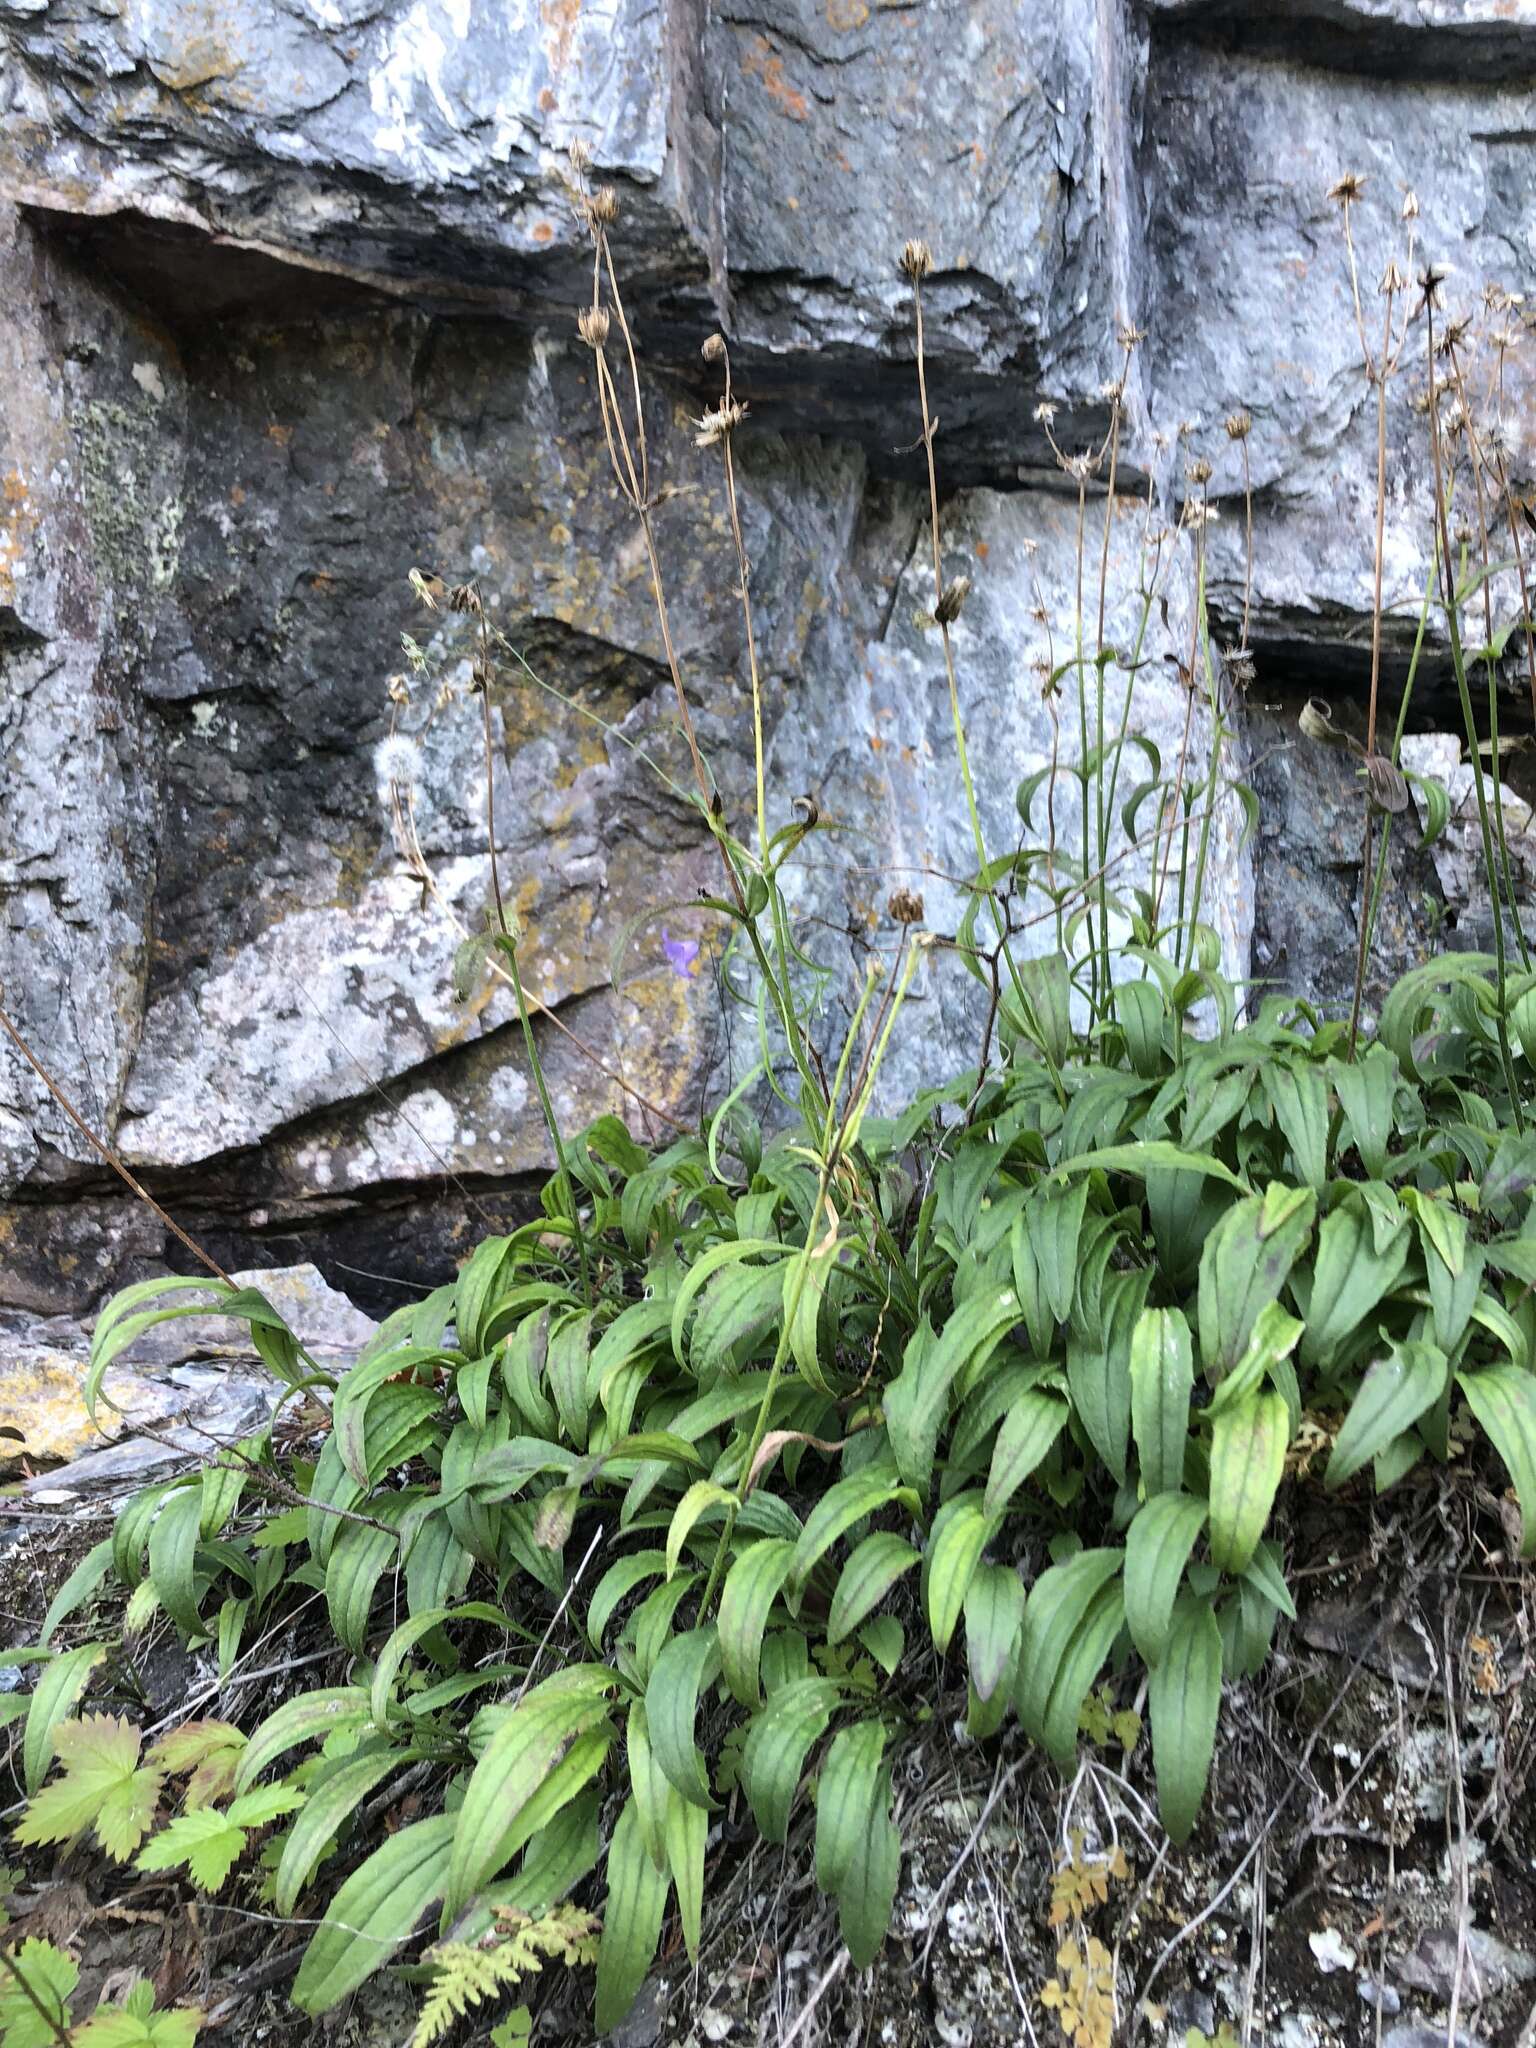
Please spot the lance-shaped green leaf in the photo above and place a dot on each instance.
(1394, 1393)
(845, 1791)
(1246, 1261)
(1504, 1401)
(868, 1890)
(917, 1400)
(994, 1615)
(1184, 1702)
(845, 1502)
(778, 1742)
(1298, 1094)
(1162, 1378)
(875, 1566)
(1078, 1669)
(1367, 1090)
(637, 1899)
(1158, 1546)
(671, 1709)
(1099, 1370)
(1248, 1445)
(1057, 1604)
(374, 1912)
(1030, 1426)
(960, 1534)
(746, 1599)
(1353, 1272)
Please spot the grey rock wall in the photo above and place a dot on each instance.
(287, 292)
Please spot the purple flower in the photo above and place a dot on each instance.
(682, 955)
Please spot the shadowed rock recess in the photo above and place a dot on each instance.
(288, 294)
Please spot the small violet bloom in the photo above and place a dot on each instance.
(682, 955)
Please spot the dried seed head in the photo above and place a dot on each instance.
(1343, 190)
(713, 350)
(1239, 425)
(947, 610)
(1045, 412)
(1431, 277)
(1198, 471)
(1113, 388)
(398, 690)
(603, 206)
(1079, 467)
(713, 426)
(465, 597)
(580, 157)
(429, 589)
(592, 325)
(916, 261)
(1040, 615)
(397, 763)
(1130, 337)
(905, 906)
(1393, 278)
(1456, 332)
(1198, 513)
(1410, 204)
(447, 693)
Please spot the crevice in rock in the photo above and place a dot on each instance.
(1339, 35)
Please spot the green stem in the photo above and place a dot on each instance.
(551, 1124)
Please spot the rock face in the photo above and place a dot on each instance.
(289, 312)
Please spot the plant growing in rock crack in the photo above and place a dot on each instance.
(645, 1516)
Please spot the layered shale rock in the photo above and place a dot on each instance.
(289, 298)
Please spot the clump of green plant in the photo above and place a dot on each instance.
(650, 1509)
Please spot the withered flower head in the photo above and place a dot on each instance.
(1347, 188)
(1130, 337)
(714, 425)
(713, 350)
(947, 610)
(1393, 278)
(603, 206)
(1456, 332)
(1198, 471)
(1080, 467)
(398, 690)
(1410, 204)
(916, 261)
(1045, 412)
(592, 325)
(1239, 425)
(1113, 388)
(465, 597)
(1431, 277)
(580, 157)
(905, 906)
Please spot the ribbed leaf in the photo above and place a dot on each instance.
(845, 1791)
(875, 1566)
(994, 1614)
(751, 1587)
(1248, 1444)
(1184, 1702)
(1157, 1548)
(1504, 1402)
(1058, 1601)
(672, 1705)
(1394, 1393)
(637, 1899)
(374, 1912)
(777, 1744)
(954, 1552)
(1026, 1433)
(1162, 1378)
